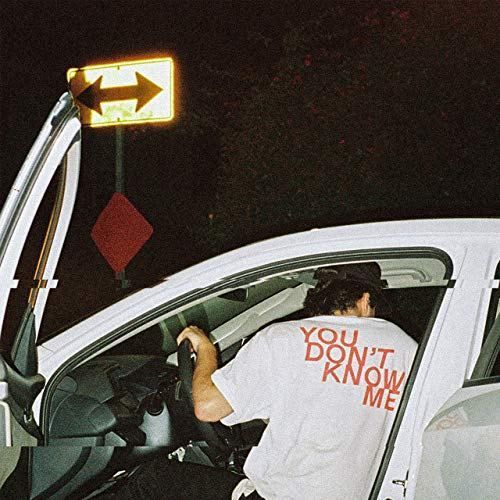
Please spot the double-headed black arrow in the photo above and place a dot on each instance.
(94, 95)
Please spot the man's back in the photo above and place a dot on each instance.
(330, 387)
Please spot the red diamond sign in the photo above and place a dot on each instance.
(120, 232)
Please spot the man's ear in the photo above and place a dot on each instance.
(363, 305)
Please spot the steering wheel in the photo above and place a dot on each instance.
(214, 433)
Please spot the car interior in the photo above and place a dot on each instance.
(131, 402)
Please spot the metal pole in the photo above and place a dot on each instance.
(119, 174)
(120, 188)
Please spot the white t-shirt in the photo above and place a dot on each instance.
(330, 387)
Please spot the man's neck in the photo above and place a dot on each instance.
(348, 312)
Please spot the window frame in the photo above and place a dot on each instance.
(253, 275)
(490, 350)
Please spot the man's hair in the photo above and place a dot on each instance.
(340, 287)
(337, 295)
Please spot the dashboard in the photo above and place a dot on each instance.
(120, 400)
(109, 414)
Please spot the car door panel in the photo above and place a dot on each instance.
(453, 349)
(460, 444)
(449, 353)
(18, 393)
(57, 147)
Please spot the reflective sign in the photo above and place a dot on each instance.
(124, 93)
(120, 232)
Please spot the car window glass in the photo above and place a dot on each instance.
(495, 371)
(488, 363)
(413, 291)
(208, 315)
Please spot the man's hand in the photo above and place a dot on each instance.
(197, 337)
(209, 403)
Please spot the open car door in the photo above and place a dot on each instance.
(56, 150)
(460, 444)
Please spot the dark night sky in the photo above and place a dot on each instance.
(39, 44)
(41, 40)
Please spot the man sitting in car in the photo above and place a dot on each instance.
(328, 385)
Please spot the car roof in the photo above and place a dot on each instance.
(447, 227)
(442, 228)
(330, 240)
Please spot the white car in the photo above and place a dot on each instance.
(110, 392)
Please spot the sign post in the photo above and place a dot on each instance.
(120, 188)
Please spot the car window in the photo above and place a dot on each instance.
(208, 315)
(414, 290)
(27, 286)
(38, 211)
(487, 369)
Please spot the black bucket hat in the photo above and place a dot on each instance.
(368, 273)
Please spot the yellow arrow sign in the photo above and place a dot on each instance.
(124, 93)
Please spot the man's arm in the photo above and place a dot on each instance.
(209, 403)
